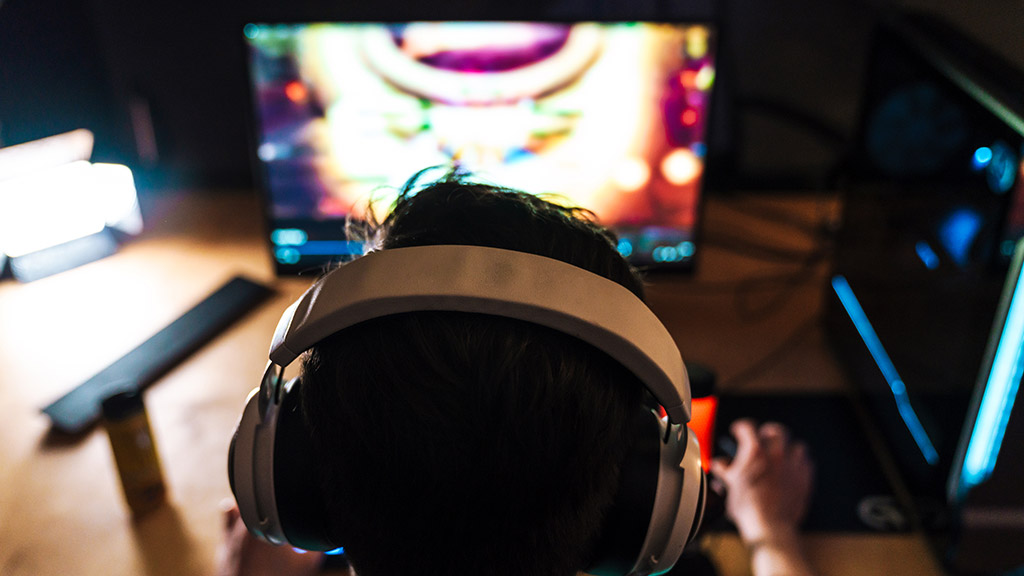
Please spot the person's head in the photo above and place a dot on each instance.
(456, 443)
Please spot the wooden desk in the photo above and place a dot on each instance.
(61, 510)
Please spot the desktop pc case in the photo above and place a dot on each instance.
(932, 213)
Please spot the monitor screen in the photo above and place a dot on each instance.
(611, 117)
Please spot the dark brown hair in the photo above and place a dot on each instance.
(457, 443)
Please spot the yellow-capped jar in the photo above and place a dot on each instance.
(138, 464)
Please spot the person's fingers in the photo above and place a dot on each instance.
(799, 452)
(747, 443)
(773, 432)
(774, 438)
(744, 428)
(231, 514)
(719, 467)
(807, 467)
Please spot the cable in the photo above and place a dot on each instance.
(749, 291)
(821, 224)
(821, 229)
(755, 282)
(784, 284)
(742, 244)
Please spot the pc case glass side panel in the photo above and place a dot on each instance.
(997, 387)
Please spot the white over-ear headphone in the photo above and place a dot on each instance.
(661, 498)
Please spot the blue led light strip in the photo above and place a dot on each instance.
(884, 363)
(1000, 393)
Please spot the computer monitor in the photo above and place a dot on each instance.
(608, 116)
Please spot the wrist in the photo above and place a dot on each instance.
(778, 538)
(778, 554)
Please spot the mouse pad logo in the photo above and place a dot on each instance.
(883, 513)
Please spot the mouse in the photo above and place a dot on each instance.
(726, 446)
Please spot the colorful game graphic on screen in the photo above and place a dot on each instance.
(608, 116)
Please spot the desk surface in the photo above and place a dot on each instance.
(752, 319)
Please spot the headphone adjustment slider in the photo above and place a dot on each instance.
(270, 387)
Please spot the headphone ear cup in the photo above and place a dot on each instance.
(629, 518)
(659, 505)
(301, 506)
(250, 469)
(679, 504)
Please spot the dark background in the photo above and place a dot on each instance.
(792, 71)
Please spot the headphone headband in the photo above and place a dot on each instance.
(492, 281)
(660, 497)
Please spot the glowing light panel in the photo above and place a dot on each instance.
(48, 208)
(998, 399)
(899, 390)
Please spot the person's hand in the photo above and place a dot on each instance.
(242, 554)
(769, 482)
